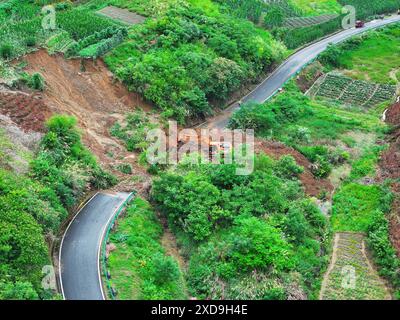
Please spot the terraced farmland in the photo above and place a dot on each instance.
(299, 22)
(351, 275)
(347, 91)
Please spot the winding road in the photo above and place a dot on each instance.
(79, 256)
(80, 248)
(290, 67)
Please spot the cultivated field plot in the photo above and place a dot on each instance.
(350, 275)
(299, 22)
(122, 15)
(351, 92)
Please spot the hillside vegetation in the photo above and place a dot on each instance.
(187, 60)
(253, 237)
(34, 205)
(371, 57)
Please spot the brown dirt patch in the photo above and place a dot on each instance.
(395, 218)
(308, 76)
(393, 114)
(27, 110)
(88, 91)
(390, 169)
(313, 186)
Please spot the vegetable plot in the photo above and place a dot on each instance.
(352, 92)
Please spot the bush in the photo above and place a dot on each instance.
(36, 82)
(254, 116)
(125, 168)
(65, 165)
(331, 56)
(287, 168)
(31, 42)
(165, 269)
(378, 238)
(274, 17)
(6, 51)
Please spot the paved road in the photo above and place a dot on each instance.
(289, 68)
(79, 252)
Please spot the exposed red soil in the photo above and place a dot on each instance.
(395, 218)
(390, 169)
(88, 91)
(313, 186)
(393, 114)
(28, 111)
(308, 76)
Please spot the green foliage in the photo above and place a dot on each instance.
(82, 23)
(125, 168)
(287, 168)
(369, 57)
(23, 250)
(354, 207)
(256, 245)
(31, 42)
(274, 17)
(97, 43)
(236, 227)
(166, 269)
(378, 238)
(36, 82)
(331, 56)
(370, 8)
(134, 132)
(249, 9)
(271, 115)
(65, 165)
(17, 291)
(366, 164)
(139, 267)
(25, 195)
(185, 61)
(6, 51)
(295, 38)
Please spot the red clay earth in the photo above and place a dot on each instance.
(28, 111)
(89, 92)
(313, 186)
(390, 169)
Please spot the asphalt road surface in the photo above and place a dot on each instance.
(290, 67)
(80, 247)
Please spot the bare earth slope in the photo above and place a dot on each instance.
(90, 93)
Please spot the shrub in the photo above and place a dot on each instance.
(378, 239)
(31, 42)
(36, 82)
(125, 168)
(287, 168)
(331, 56)
(65, 165)
(6, 51)
(165, 269)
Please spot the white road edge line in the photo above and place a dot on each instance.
(101, 243)
(62, 241)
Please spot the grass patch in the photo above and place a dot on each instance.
(371, 57)
(354, 207)
(139, 267)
